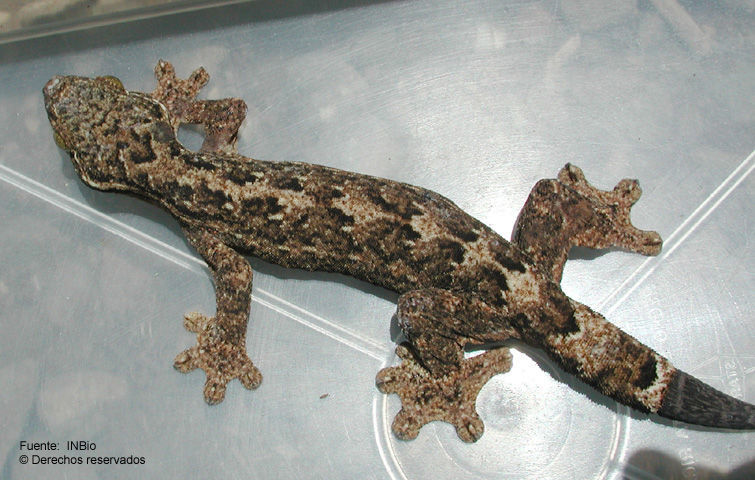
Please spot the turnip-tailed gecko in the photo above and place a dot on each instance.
(459, 281)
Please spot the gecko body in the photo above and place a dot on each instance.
(460, 282)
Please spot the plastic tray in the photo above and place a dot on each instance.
(476, 101)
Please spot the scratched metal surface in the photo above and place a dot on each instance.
(476, 102)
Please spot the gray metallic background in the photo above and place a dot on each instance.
(475, 100)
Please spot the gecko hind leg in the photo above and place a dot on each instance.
(221, 119)
(434, 380)
(568, 211)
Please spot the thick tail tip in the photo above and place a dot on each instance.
(692, 401)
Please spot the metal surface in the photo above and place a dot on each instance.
(477, 102)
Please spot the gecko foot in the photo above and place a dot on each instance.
(619, 202)
(222, 360)
(450, 397)
(221, 118)
(176, 94)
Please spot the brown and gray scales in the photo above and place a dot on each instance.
(460, 282)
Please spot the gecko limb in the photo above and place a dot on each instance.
(221, 119)
(434, 380)
(176, 94)
(450, 398)
(567, 212)
(221, 340)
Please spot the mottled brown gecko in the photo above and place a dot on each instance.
(460, 282)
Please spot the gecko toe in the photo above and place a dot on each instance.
(629, 189)
(250, 378)
(164, 69)
(406, 426)
(198, 79)
(186, 361)
(571, 175)
(652, 243)
(195, 322)
(214, 390)
(470, 429)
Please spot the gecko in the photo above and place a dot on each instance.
(460, 283)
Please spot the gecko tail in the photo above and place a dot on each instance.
(620, 366)
(692, 401)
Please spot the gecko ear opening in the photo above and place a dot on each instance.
(113, 82)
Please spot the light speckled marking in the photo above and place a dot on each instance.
(652, 396)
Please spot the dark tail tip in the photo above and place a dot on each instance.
(692, 401)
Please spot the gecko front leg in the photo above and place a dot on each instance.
(434, 380)
(221, 340)
(221, 118)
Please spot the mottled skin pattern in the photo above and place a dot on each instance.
(460, 281)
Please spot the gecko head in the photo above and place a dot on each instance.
(109, 132)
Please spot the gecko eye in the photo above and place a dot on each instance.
(59, 141)
(113, 82)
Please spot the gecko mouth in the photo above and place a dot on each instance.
(52, 98)
(49, 91)
(51, 86)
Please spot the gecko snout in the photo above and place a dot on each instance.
(52, 86)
